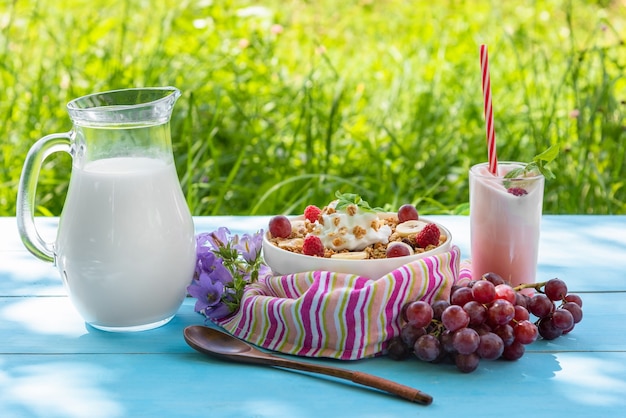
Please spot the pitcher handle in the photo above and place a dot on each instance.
(26, 193)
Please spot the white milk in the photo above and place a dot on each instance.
(125, 246)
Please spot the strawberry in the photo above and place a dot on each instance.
(312, 212)
(517, 191)
(313, 246)
(429, 235)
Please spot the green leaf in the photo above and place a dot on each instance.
(545, 158)
(346, 199)
(539, 163)
(516, 172)
(548, 155)
(547, 173)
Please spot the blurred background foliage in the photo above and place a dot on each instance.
(285, 102)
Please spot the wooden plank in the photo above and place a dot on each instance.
(186, 384)
(51, 325)
(52, 364)
(588, 252)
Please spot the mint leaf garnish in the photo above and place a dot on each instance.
(546, 157)
(539, 163)
(346, 199)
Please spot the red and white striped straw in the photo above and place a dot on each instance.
(490, 128)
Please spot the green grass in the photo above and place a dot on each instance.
(286, 103)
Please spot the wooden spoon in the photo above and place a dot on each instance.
(225, 346)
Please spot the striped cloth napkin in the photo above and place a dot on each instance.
(336, 315)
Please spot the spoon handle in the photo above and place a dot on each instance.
(406, 392)
(365, 379)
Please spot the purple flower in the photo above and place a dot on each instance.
(217, 312)
(221, 274)
(225, 265)
(250, 246)
(219, 238)
(206, 261)
(202, 240)
(208, 292)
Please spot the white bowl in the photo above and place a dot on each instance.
(287, 262)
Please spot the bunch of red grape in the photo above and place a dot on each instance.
(487, 319)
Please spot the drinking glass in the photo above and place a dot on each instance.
(505, 218)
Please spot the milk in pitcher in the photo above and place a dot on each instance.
(126, 242)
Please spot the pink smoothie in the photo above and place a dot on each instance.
(504, 227)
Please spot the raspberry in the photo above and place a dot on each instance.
(517, 191)
(312, 212)
(313, 246)
(428, 236)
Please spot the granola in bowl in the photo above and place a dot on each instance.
(349, 236)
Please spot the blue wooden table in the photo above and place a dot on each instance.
(53, 365)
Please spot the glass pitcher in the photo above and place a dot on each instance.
(125, 245)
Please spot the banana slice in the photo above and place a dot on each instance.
(298, 225)
(291, 243)
(353, 255)
(410, 228)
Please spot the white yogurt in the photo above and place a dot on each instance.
(342, 231)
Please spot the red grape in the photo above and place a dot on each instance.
(521, 299)
(514, 351)
(484, 291)
(574, 298)
(547, 329)
(476, 311)
(540, 305)
(419, 313)
(407, 212)
(555, 289)
(482, 328)
(454, 318)
(505, 332)
(568, 330)
(410, 333)
(563, 319)
(494, 278)
(398, 249)
(467, 363)
(506, 292)
(465, 340)
(403, 312)
(280, 226)
(461, 296)
(521, 313)
(446, 342)
(427, 347)
(490, 347)
(438, 307)
(501, 312)
(525, 332)
(397, 350)
(575, 310)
